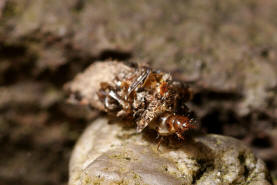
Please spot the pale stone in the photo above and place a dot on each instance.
(109, 153)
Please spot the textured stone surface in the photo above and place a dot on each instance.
(226, 48)
(108, 153)
(222, 45)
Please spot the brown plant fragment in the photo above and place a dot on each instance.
(149, 97)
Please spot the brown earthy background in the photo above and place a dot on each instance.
(226, 50)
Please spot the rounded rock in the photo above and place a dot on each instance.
(109, 153)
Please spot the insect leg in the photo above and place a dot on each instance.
(159, 142)
(179, 135)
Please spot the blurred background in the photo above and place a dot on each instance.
(225, 49)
